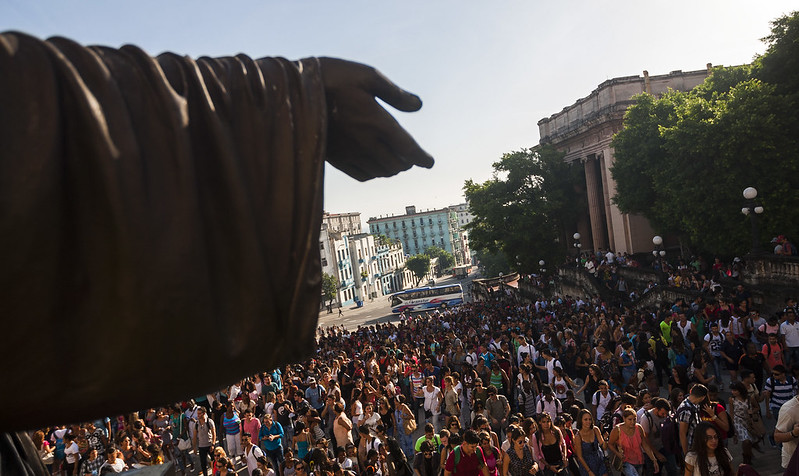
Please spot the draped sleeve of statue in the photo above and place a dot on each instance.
(170, 233)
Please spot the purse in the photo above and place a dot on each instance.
(756, 426)
(409, 425)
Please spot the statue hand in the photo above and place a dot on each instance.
(364, 140)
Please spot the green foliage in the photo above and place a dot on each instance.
(682, 160)
(526, 209)
(329, 287)
(445, 258)
(492, 263)
(419, 265)
(779, 65)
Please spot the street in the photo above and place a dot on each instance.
(379, 310)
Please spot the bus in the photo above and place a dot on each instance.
(462, 271)
(424, 299)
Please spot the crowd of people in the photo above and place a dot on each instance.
(563, 387)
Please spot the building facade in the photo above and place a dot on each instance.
(584, 132)
(464, 218)
(344, 223)
(393, 275)
(419, 230)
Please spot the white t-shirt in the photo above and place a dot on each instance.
(252, 454)
(550, 365)
(713, 464)
(601, 402)
(789, 416)
(791, 333)
(714, 343)
(431, 402)
(71, 453)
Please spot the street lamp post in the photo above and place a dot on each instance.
(753, 209)
(577, 246)
(659, 252)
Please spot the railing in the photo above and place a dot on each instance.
(766, 269)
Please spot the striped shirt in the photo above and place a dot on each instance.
(781, 392)
(232, 425)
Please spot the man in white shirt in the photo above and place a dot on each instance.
(789, 330)
(523, 347)
(251, 452)
(549, 363)
(601, 399)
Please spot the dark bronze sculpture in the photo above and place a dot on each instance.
(159, 217)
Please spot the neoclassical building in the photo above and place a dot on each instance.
(584, 131)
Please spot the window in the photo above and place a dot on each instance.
(322, 245)
(324, 262)
(431, 221)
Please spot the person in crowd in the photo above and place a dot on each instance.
(708, 455)
(549, 448)
(492, 454)
(270, 438)
(519, 459)
(427, 461)
(471, 462)
(589, 446)
(629, 443)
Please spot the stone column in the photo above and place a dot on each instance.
(595, 204)
(609, 218)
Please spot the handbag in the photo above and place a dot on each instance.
(409, 425)
(184, 444)
(756, 426)
(616, 462)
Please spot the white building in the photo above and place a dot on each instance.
(344, 223)
(391, 266)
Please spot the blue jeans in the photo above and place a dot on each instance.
(717, 363)
(791, 356)
(628, 469)
(406, 443)
(671, 465)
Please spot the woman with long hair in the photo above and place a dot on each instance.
(591, 384)
(549, 448)
(708, 456)
(492, 454)
(44, 449)
(589, 446)
(454, 426)
(452, 404)
(678, 379)
(608, 363)
(395, 457)
(520, 459)
(741, 406)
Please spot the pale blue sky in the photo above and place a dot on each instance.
(486, 71)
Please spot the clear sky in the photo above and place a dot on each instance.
(486, 71)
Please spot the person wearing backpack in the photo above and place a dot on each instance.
(467, 459)
(778, 389)
(652, 422)
(690, 413)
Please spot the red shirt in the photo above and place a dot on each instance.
(469, 465)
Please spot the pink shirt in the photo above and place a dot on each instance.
(252, 427)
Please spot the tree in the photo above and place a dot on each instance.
(419, 265)
(527, 209)
(445, 258)
(682, 160)
(329, 288)
(492, 264)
